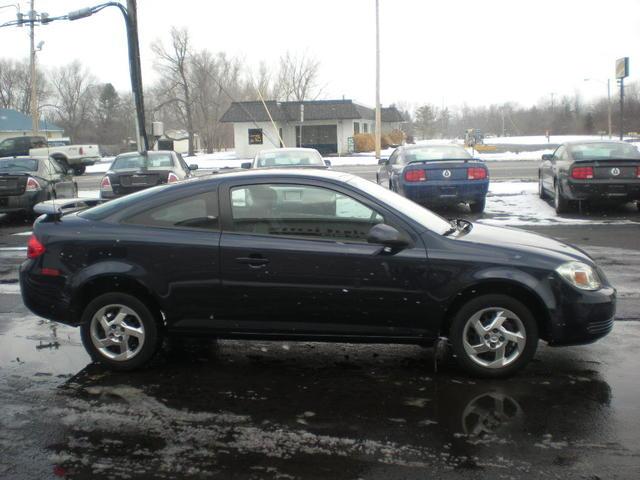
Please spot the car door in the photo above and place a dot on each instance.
(294, 260)
(63, 184)
(550, 168)
(384, 175)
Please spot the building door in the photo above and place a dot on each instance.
(323, 138)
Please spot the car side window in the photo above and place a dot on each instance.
(394, 157)
(559, 153)
(193, 212)
(55, 166)
(301, 211)
(183, 164)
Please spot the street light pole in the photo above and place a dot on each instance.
(609, 104)
(35, 123)
(378, 114)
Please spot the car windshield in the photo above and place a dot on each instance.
(150, 161)
(435, 152)
(605, 151)
(18, 164)
(424, 217)
(289, 158)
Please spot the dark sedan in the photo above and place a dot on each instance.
(436, 175)
(260, 255)
(590, 172)
(26, 181)
(131, 172)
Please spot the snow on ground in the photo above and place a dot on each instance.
(504, 156)
(517, 204)
(540, 139)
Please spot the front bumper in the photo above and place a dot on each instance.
(21, 203)
(439, 192)
(581, 316)
(623, 190)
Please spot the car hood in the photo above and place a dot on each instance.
(524, 242)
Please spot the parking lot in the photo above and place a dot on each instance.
(231, 409)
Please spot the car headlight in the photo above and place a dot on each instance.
(579, 275)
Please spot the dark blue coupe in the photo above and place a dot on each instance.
(436, 175)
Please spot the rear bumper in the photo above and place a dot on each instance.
(45, 296)
(445, 192)
(623, 190)
(21, 203)
(581, 317)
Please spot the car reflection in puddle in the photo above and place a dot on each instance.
(341, 410)
(274, 409)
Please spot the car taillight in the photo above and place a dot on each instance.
(81, 151)
(172, 177)
(34, 247)
(638, 172)
(105, 184)
(32, 184)
(582, 173)
(476, 173)
(415, 175)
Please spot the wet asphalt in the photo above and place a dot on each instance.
(285, 410)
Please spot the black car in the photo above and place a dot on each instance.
(258, 255)
(20, 146)
(589, 172)
(26, 181)
(133, 171)
(436, 175)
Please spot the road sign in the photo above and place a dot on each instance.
(622, 67)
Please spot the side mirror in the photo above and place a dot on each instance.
(383, 161)
(193, 166)
(386, 235)
(327, 163)
(547, 156)
(245, 165)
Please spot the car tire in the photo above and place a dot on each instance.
(541, 191)
(79, 170)
(561, 204)
(493, 336)
(478, 205)
(120, 332)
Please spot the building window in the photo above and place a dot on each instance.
(365, 127)
(255, 136)
(356, 128)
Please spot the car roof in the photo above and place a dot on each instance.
(149, 152)
(429, 145)
(293, 173)
(288, 149)
(592, 140)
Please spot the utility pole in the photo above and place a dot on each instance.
(621, 80)
(609, 104)
(378, 114)
(35, 122)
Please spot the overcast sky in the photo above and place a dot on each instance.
(451, 51)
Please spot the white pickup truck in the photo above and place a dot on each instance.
(76, 157)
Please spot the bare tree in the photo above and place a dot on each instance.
(175, 88)
(75, 93)
(15, 89)
(298, 78)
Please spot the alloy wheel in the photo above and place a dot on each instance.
(117, 332)
(494, 337)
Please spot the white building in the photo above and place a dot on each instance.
(326, 125)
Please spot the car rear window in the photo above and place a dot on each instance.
(444, 152)
(150, 161)
(288, 159)
(18, 164)
(102, 211)
(605, 151)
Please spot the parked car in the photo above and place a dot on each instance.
(590, 171)
(76, 157)
(436, 175)
(244, 255)
(58, 142)
(26, 181)
(20, 146)
(288, 158)
(133, 171)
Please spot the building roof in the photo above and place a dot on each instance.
(313, 110)
(15, 121)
